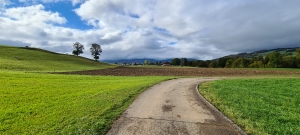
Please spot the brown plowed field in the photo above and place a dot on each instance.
(205, 72)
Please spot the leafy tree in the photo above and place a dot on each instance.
(195, 63)
(96, 50)
(266, 60)
(275, 58)
(189, 63)
(146, 62)
(201, 63)
(78, 48)
(260, 58)
(175, 61)
(298, 53)
(256, 64)
(213, 64)
(207, 62)
(222, 62)
(289, 62)
(298, 56)
(229, 63)
(184, 62)
(240, 63)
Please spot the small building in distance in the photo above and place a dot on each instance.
(166, 64)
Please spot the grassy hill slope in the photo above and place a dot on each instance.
(34, 59)
(283, 51)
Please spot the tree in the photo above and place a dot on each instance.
(275, 59)
(298, 53)
(222, 62)
(213, 64)
(240, 63)
(298, 57)
(96, 50)
(184, 62)
(207, 62)
(266, 60)
(229, 63)
(146, 62)
(256, 64)
(175, 61)
(289, 62)
(78, 48)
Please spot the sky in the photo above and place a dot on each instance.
(158, 29)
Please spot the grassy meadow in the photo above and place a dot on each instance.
(259, 106)
(38, 60)
(35, 103)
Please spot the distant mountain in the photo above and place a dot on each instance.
(284, 51)
(138, 60)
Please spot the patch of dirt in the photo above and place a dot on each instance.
(167, 108)
(206, 72)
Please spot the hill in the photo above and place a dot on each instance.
(34, 59)
(284, 51)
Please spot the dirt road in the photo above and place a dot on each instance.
(173, 107)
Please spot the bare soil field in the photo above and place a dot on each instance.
(205, 72)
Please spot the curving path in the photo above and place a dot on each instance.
(173, 107)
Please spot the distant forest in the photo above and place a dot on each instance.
(275, 59)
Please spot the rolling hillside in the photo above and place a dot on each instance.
(284, 51)
(34, 59)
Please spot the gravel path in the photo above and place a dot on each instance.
(173, 107)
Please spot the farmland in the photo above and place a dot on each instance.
(203, 72)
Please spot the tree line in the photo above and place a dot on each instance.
(272, 60)
(95, 50)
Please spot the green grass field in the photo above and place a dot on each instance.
(38, 60)
(259, 106)
(35, 103)
(38, 103)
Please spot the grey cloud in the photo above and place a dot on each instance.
(201, 29)
(13, 43)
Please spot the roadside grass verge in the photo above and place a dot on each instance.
(259, 106)
(38, 60)
(35, 103)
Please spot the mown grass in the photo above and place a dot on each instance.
(259, 106)
(35, 103)
(33, 59)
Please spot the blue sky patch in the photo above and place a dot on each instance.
(161, 29)
(66, 10)
(134, 16)
(172, 43)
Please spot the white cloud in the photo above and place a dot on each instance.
(159, 29)
(35, 27)
(4, 3)
(33, 15)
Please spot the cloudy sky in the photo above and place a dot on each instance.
(160, 29)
